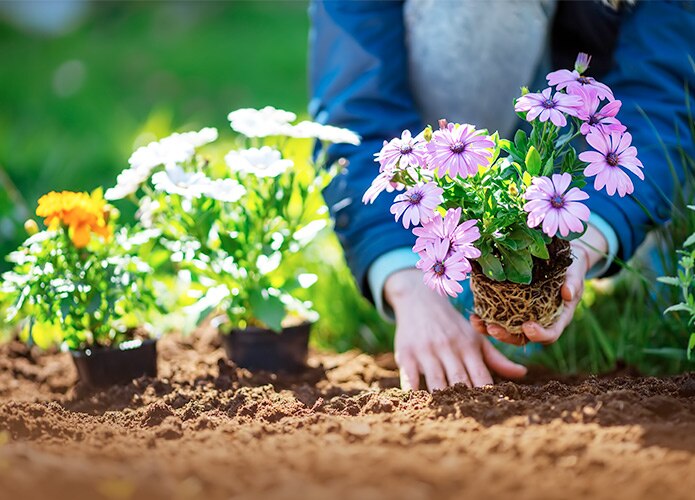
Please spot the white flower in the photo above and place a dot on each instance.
(306, 234)
(169, 151)
(267, 264)
(313, 130)
(263, 162)
(127, 183)
(197, 139)
(146, 211)
(227, 190)
(175, 180)
(260, 122)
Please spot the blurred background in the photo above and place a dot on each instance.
(82, 84)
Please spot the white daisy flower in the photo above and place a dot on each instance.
(197, 139)
(314, 130)
(260, 122)
(127, 183)
(263, 162)
(227, 190)
(175, 180)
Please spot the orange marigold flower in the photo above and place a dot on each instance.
(82, 213)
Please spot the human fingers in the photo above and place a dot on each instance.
(454, 366)
(430, 366)
(408, 371)
(503, 335)
(478, 324)
(475, 366)
(499, 363)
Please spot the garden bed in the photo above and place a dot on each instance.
(204, 429)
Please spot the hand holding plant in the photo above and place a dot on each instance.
(504, 211)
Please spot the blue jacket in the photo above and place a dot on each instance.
(359, 80)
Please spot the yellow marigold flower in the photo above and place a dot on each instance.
(82, 213)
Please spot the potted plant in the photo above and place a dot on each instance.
(501, 211)
(80, 283)
(232, 223)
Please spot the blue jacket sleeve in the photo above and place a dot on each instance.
(652, 69)
(359, 80)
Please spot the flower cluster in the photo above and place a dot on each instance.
(80, 213)
(472, 196)
(231, 223)
(68, 288)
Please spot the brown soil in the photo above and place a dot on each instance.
(205, 429)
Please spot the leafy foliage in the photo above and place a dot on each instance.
(91, 296)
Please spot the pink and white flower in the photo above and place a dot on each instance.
(546, 106)
(460, 236)
(602, 120)
(613, 151)
(458, 150)
(382, 182)
(444, 269)
(404, 152)
(566, 79)
(417, 204)
(549, 202)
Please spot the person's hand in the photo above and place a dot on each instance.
(587, 250)
(434, 339)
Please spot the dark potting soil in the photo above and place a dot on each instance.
(206, 429)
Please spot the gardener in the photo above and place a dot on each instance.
(371, 60)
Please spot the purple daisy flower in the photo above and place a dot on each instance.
(460, 236)
(546, 106)
(403, 152)
(382, 182)
(459, 150)
(612, 151)
(566, 79)
(603, 120)
(444, 269)
(549, 202)
(417, 204)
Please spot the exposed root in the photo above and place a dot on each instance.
(511, 304)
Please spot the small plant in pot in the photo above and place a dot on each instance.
(81, 284)
(501, 211)
(233, 221)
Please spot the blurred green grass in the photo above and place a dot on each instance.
(73, 107)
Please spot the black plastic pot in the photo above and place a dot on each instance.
(261, 349)
(102, 367)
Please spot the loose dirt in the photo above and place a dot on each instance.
(205, 429)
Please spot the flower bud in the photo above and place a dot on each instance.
(582, 62)
(31, 227)
(427, 133)
(513, 190)
(442, 124)
(524, 91)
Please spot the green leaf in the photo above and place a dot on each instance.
(518, 266)
(533, 161)
(690, 240)
(678, 308)
(691, 345)
(492, 267)
(268, 309)
(538, 246)
(669, 280)
(521, 140)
